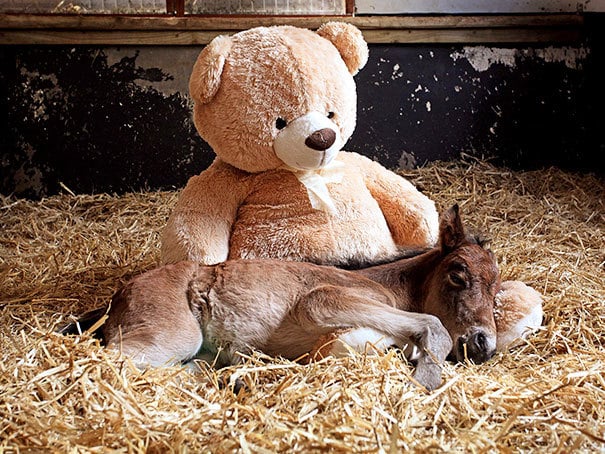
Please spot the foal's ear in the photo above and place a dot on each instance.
(451, 230)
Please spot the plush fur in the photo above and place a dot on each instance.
(277, 105)
(518, 312)
(251, 203)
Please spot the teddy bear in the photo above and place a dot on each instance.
(277, 104)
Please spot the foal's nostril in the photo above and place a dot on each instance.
(479, 341)
(475, 347)
(321, 140)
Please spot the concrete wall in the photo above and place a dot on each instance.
(112, 119)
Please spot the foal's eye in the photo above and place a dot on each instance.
(280, 123)
(330, 115)
(457, 279)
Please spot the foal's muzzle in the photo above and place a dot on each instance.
(476, 346)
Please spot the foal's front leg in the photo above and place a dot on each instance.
(333, 308)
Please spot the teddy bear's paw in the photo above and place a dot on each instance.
(421, 226)
(413, 217)
(518, 313)
(428, 231)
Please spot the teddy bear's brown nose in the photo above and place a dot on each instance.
(321, 140)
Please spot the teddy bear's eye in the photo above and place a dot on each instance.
(330, 115)
(280, 123)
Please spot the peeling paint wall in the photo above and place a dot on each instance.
(97, 119)
(118, 119)
(524, 107)
(481, 58)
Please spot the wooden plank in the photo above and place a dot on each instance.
(179, 7)
(107, 38)
(171, 7)
(476, 6)
(153, 37)
(350, 6)
(171, 30)
(236, 23)
(472, 36)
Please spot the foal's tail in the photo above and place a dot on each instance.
(90, 322)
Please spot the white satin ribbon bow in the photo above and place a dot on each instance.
(316, 181)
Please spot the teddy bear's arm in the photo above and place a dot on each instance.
(411, 216)
(200, 226)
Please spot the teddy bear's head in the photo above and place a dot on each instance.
(269, 97)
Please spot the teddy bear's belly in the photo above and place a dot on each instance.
(287, 227)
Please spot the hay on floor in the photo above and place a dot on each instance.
(67, 254)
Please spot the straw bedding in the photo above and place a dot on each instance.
(68, 253)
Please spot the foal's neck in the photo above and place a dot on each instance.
(406, 278)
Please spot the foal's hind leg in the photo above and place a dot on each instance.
(150, 318)
(333, 308)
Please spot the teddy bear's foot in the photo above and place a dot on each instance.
(518, 312)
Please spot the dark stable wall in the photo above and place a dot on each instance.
(107, 119)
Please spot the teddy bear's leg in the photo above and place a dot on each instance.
(518, 312)
(411, 216)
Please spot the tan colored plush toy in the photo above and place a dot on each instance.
(277, 105)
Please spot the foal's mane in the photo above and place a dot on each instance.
(402, 253)
(479, 239)
(406, 253)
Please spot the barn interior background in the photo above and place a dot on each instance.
(100, 103)
(500, 105)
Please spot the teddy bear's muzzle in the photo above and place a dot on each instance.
(321, 140)
(310, 142)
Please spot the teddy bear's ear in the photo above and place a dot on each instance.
(349, 42)
(206, 75)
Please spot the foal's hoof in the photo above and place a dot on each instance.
(428, 375)
(225, 382)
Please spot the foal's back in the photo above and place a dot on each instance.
(256, 302)
(167, 313)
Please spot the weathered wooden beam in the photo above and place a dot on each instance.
(161, 22)
(169, 30)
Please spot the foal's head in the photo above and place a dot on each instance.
(461, 290)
